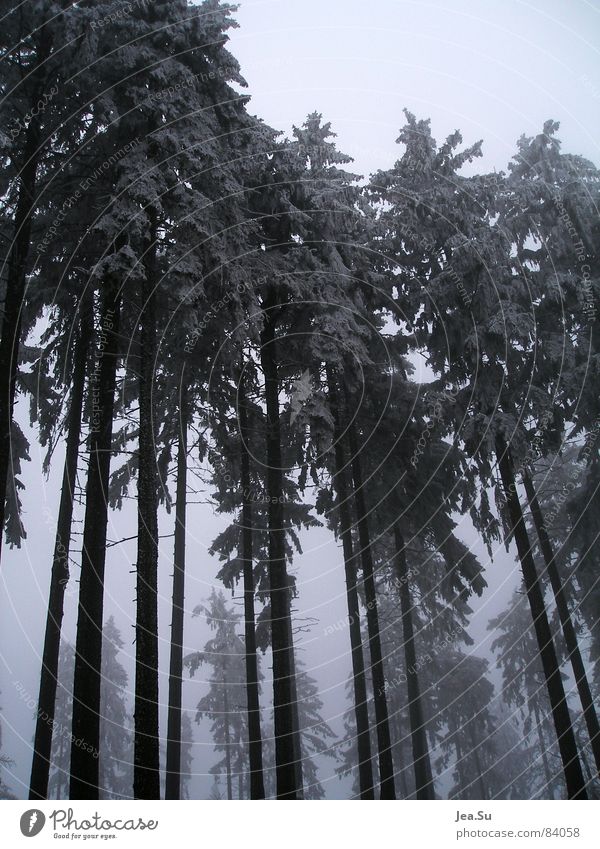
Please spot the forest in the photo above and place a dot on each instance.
(202, 316)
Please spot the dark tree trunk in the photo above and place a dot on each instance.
(88, 647)
(361, 708)
(386, 766)
(556, 693)
(173, 766)
(257, 788)
(146, 776)
(285, 746)
(422, 765)
(579, 672)
(59, 578)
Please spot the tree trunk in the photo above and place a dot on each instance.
(556, 693)
(386, 766)
(474, 746)
(146, 776)
(459, 766)
(227, 736)
(586, 766)
(62, 787)
(285, 746)
(403, 784)
(59, 578)
(422, 765)
(173, 767)
(295, 714)
(361, 708)
(542, 745)
(571, 641)
(257, 788)
(88, 648)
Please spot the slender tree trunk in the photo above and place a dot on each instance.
(295, 713)
(285, 747)
(571, 641)
(88, 647)
(62, 774)
(542, 744)
(554, 684)
(586, 766)
(146, 776)
(482, 789)
(173, 767)
(386, 766)
(59, 578)
(257, 788)
(403, 784)
(401, 770)
(422, 765)
(459, 766)
(361, 708)
(227, 737)
(474, 746)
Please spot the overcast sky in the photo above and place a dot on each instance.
(494, 70)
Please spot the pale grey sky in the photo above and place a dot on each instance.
(492, 68)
